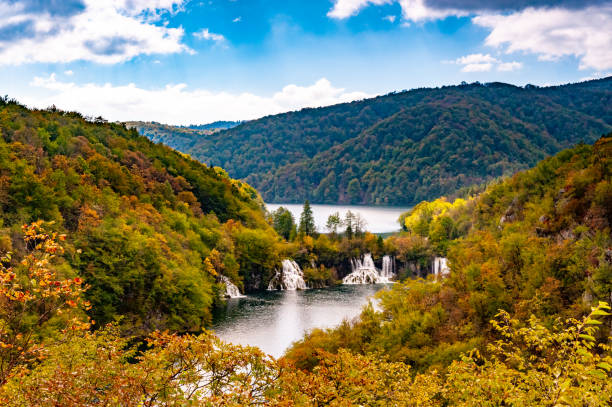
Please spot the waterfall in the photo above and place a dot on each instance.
(440, 267)
(364, 272)
(388, 266)
(290, 278)
(231, 291)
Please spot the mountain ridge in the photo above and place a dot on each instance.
(356, 153)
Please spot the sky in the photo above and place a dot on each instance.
(189, 62)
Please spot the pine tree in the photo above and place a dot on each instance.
(348, 221)
(307, 222)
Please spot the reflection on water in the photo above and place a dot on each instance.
(275, 319)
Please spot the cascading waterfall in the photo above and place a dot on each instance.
(231, 291)
(290, 278)
(387, 267)
(364, 272)
(440, 267)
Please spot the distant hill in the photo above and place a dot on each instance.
(181, 138)
(405, 147)
(214, 126)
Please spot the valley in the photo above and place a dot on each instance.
(323, 203)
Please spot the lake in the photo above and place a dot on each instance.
(379, 219)
(273, 320)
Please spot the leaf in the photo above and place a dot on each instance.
(600, 312)
(587, 337)
(598, 373)
(605, 365)
(590, 321)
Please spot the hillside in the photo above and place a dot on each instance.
(537, 244)
(401, 148)
(181, 138)
(145, 228)
(149, 230)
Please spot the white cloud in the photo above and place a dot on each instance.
(509, 66)
(176, 104)
(347, 8)
(390, 18)
(550, 32)
(553, 33)
(237, 19)
(477, 67)
(108, 31)
(69, 72)
(596, 75)
(484, 63)
(205, 34)
(417, 10)
(476, 59)
(412, 10)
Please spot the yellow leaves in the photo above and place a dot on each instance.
(33, 292)
(209, 268)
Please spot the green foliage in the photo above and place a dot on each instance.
(141, 218)
(403, 148)
(536, 244)
(307, 225)
(334, 222)
(283, 222)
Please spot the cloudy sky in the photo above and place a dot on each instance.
(181, 61)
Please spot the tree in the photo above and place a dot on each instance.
(283, 222)
(35, 299)
(307, 222)
(354, 190)
(348, 222)
(333, 223)
(359, 224)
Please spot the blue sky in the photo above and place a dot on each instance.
(182, 62)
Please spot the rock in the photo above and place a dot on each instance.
(511, 213)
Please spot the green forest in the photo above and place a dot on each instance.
(404, 147)
(537, 245)
(112, 249)
(149, 229)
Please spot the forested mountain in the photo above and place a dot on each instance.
(520, 321)
(536, 245)
(182, 138)
(214, 126)
(179, 138)
(401, 148)
(149, 230)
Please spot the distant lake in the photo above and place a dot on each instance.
(380, 219)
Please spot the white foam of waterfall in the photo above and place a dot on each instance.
(440, 267)
(290, 278)
(388, 266)
(364, 272)
(231, 291)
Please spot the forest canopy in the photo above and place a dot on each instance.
(404, 147)
(150, 230)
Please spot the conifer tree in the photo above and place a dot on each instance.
(307, 222)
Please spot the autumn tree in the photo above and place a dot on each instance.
(35, 301)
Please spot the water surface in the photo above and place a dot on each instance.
(274, 320)
(379, 219)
